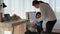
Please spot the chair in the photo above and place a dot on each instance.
(30, 16)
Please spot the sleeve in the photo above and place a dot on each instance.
(43, 10)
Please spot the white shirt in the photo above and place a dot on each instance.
(38, 20)
(35, 21)
(46, 12)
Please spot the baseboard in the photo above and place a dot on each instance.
(56, 30)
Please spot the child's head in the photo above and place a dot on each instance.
(38, 15)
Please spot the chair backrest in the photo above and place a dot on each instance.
(31, 16)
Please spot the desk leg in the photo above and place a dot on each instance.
(19, 29)
(16, 29)
(13, 30)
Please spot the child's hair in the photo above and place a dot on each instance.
(38, 13)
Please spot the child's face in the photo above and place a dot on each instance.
(38, 16)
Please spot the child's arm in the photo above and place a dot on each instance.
(32, 24)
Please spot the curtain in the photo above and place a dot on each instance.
(20, 7)
(55, 6)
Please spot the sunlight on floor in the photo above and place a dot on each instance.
(7, 32)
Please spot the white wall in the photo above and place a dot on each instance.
(57, 25)
(1, 8)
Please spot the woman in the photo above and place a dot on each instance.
(47, 14)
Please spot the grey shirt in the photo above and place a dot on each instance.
(46, 12)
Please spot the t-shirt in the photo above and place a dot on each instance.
(47, 12)
(35, 21)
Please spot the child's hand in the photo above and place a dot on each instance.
(33, 24)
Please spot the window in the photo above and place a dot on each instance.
(20, 7)
(58, 8)
(55, 5)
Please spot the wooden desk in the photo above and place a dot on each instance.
(16, 27)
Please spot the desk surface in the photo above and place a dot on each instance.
(12, 23)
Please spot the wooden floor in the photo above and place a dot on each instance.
(52, 33)
(44, 33)
(29, 32)
(56, 30)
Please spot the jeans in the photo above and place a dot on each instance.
(49, 26)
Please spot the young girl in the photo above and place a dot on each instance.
(37, 24)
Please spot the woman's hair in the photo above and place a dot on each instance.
(36, 2)
(38, 13)
(41, 2)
